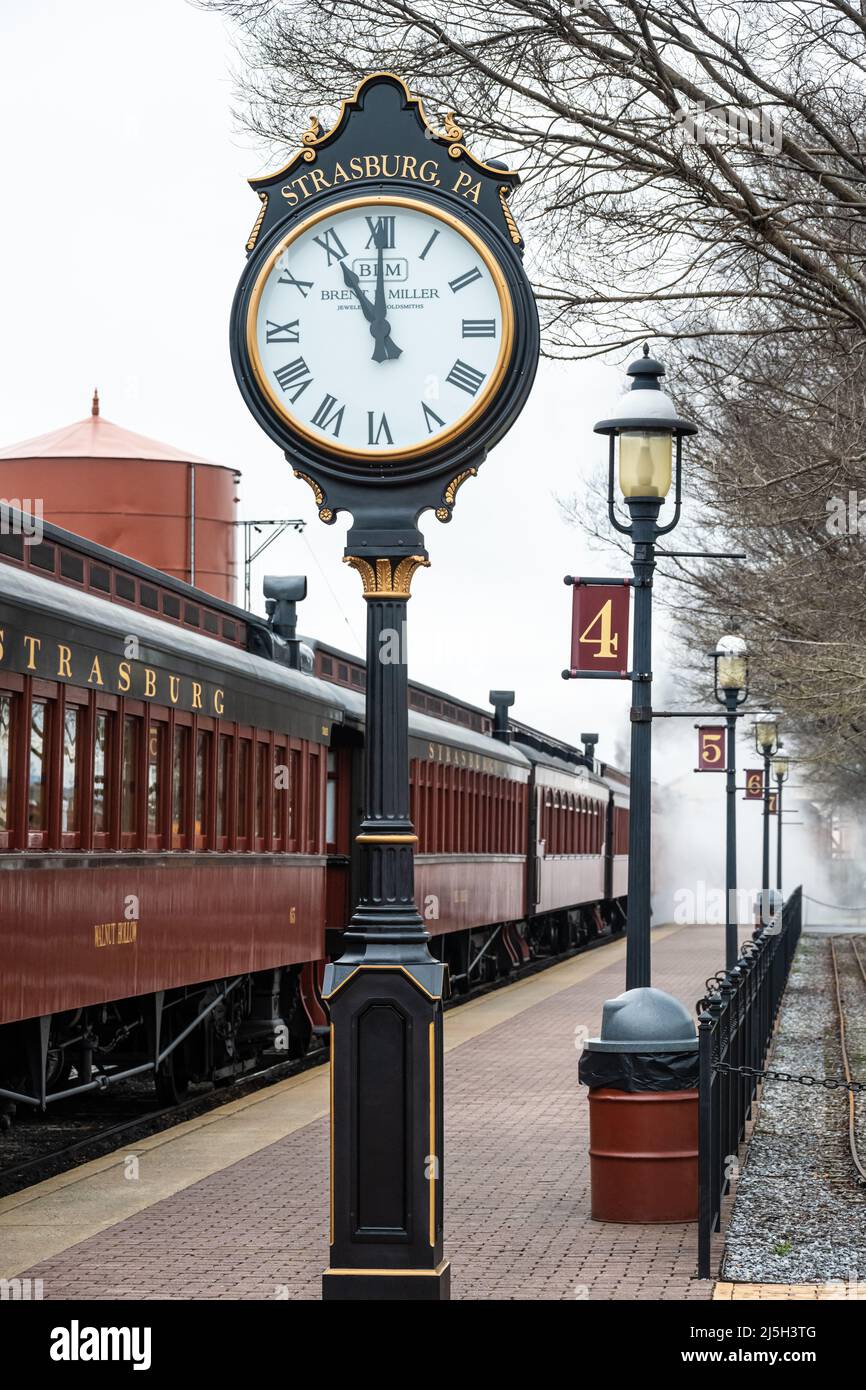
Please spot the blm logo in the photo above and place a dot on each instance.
(394, 269)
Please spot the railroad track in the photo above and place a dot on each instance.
(843, 1038)
(145, 1122)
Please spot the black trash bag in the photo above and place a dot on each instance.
(639, 1071)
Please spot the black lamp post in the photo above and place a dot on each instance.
(731, 671)
(646, 429)
(780, 772)
(767, 744)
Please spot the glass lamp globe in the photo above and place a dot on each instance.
(731, 657)
(766, 733)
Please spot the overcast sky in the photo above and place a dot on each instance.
(126, 210)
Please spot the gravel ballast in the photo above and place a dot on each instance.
(799, 1214)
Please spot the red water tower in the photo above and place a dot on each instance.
(160, 505)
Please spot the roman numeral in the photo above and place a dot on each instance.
(331, 245)
(294, 378)
(467, 378)
(381, 232)
(287, 278)
(326, 415)
(427, 247)
(431, 415)
(374, 435)
(465, 279)
(479, 328)
(285, 332)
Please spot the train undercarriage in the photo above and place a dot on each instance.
(223, 1029)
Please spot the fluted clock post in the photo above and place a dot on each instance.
(385, 1000)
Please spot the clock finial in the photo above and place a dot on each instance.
(94, 408)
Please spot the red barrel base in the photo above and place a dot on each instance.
(643, 1152)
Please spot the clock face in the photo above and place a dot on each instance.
(380, 328)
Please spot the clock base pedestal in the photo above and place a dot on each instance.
(365, 1285)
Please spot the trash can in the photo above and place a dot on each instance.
(642, 1075)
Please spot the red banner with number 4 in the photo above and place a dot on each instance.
(599, 627)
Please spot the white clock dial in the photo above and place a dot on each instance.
(380, 327)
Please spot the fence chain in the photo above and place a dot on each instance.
(830, 1083)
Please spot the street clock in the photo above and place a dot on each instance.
(384, 333)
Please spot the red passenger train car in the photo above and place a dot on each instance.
(179, 796)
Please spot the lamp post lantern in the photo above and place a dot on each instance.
(647, 434)
(780, 772)
(767, 744)
(731, 670)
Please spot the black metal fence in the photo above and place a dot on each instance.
(735, 1024)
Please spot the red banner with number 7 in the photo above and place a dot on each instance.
(599, 627)
(711, 748)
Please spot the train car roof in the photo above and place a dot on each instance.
(39, 594)
(431, 730)
(47, 596)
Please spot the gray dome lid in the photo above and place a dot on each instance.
(645, 1020)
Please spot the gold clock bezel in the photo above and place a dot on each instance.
(461, 426)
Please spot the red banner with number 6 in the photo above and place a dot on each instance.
(599, 627)
(754, 784)
(711, 748)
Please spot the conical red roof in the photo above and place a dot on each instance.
(96, 437)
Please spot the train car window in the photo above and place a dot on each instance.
(342, 671)
(155, 764)
(326, 665)
(202, 787)
(100, 770)
(242, 829)
(224, 776)
(313, 804)
(69, 807)
(230, 630)
(42, 557)
(100, 579)
(171, 605)
(37, 798)
(210, 622)
(292, 829)
(12, 545)
(263, 763)
(72, 567)
(148, 597)
(124, 587)
(129, 782)
(5, 755)
(279, 796)
(180, 754)
(331, 805)
(191, 614)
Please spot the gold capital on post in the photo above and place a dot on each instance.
(388, 578)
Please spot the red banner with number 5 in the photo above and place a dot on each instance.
(711, 748)
(599, 627)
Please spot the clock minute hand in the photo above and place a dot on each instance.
(379, 327)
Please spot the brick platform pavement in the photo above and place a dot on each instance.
(517, 1181)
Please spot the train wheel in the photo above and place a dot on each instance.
(58, 1065)
(172, 1078)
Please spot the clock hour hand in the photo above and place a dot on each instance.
(379, 327)
(352, 282)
